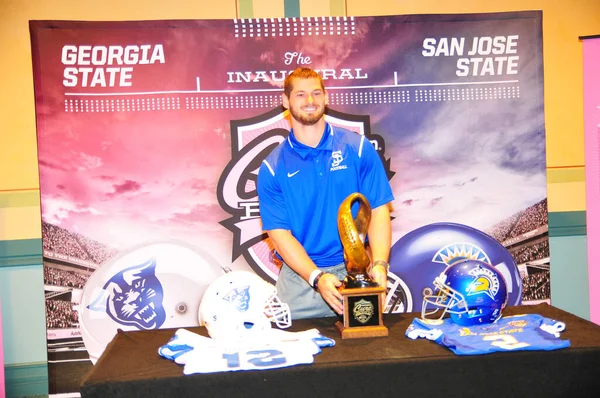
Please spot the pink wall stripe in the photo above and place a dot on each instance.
(591, 99)
(2, 382)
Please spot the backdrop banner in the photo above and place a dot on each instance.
(150, 135)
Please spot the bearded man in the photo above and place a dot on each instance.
(301, 185)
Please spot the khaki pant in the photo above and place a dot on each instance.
(304, 301)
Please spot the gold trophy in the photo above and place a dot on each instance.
(363, 298)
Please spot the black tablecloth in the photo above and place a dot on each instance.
(390, 366)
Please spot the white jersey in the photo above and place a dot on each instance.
(251, 357)
(277, 349)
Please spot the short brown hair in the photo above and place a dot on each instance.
(300, 73)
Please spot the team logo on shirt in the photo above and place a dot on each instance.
(337, 160)
(434, 322)
(466, 332)
(518, 324)
(251, 141)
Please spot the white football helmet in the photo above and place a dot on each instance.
(240, 305)
(156, 285)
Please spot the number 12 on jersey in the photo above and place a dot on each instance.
(230, 359)
(262, 359)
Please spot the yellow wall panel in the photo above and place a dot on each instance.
(117, 10)
(268, 9)
(566, 196)
(314, 8)
(20, 198)
(20, 223)
(398, 7)
(566, 174)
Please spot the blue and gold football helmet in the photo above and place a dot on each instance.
(471, 292)
(421, 255)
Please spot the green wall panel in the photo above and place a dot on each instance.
(569, 289)
(21, 252)
(23, 314)
(27, 380)
(291, 8)
(567, 223)
(245, 9)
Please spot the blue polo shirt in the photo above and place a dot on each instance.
(301, 188)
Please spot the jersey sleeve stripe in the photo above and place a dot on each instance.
(362, 140)
(269, 167)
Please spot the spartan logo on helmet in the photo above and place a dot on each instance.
(251, 141)
(486, 283)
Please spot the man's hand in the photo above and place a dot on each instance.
(379, 274)
(327, 285)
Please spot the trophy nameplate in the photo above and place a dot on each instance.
(363, 314)
(362, 297)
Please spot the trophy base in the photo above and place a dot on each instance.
(363, 315)
(355, 333)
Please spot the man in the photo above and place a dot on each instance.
(301, 185)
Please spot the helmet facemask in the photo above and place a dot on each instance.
(278, 312)
(446, 301)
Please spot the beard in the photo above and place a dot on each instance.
(307, 119)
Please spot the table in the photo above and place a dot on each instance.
(390, 366)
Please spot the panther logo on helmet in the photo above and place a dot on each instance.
(134, 297)
(239, 298)
(155, 285)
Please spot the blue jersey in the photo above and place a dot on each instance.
(301, 188)
(511, 333)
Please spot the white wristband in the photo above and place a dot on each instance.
(313, 275)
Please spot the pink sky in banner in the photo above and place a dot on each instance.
(147, 175)
(108, 173)
(591, 98)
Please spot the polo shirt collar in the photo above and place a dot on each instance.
(325, 144)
